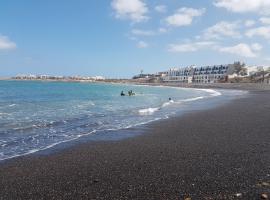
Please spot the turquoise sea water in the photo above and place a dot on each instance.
(38, 115)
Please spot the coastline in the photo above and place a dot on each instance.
(214, 153)
(230, 86)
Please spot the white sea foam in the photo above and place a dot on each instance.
(11, 105)
(86, 104)
(167, 103)
(151, 111)
(3, 157)
(148, 111)
(138, 124)
(191, 99)
(212, 92)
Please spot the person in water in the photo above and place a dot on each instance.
(122, 93)
(170, 100)
(130, 93)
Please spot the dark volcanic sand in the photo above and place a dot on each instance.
(210, 154)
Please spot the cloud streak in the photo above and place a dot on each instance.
(134, 10)
(190, 47)
(243, 50)
(244, 6)
(184, 16)
(263, 31)
(140, 32)
(265, 20)
(6, 43)
(161, 8)
(142, 45)
(223, 29)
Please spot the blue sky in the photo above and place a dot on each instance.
(118, 38)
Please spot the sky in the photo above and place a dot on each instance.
(119, 38)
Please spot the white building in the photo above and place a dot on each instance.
(212, 74)
(252, 70)
(183, 75)
(193, 74)
(99, 78)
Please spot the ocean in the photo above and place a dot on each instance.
(37, 115)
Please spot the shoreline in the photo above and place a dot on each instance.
(229, 86)
(176, 158)
(237, 86)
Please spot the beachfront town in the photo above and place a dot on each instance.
(58, 78)
(230, 73)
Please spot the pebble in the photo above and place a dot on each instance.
(264, 196)
(96, 181)
(265, 184)
(238, 194)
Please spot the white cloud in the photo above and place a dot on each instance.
(267, 58)
(140, 32)
(191, 46)
(161, 8)
(263, 31)
(223, 28)
(256, 47)
(243, 6)
(184, 16)
(265, 20)
(134, 10)
(162, 30)
(6, 44)
(249, 23)
(142, 44)
(243, 50)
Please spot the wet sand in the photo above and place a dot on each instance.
(220, 153)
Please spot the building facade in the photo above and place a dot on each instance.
(183, 75)
(193, 74)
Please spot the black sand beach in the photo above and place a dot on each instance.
(222, 153)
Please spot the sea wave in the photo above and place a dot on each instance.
(148, 111)
(167, 103)
(85, 104)
(191, 99)
(4, 157)
(152, 110)
(212, 92)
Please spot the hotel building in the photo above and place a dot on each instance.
(193, 74)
